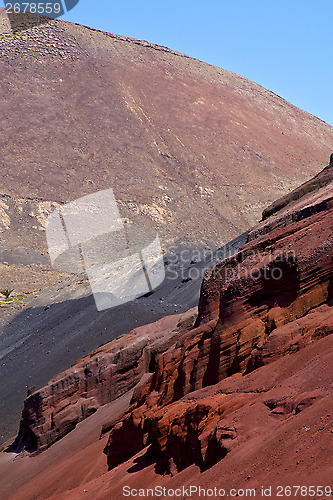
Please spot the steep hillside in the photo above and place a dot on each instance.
(183, 144)
(49, 331)
(190, 149)
(241, 398)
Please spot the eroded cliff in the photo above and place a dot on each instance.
(271, 299)
(191, 374)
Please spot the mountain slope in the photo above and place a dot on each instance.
(182, 143)
(243, 397)
(192, 150)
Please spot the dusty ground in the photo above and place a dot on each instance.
(47, 332)
(274, 450)
(90, 111)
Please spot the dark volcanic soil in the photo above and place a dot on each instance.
(45, 334)
(195, 152)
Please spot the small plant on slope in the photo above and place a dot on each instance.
(6, 293)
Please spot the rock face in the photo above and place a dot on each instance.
(91, 111)
(104, 375)
(271, 299)
(293, 336)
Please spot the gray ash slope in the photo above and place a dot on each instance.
(61, 324)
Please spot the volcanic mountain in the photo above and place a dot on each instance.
(188, 148)
(235, 395)
(191, 150)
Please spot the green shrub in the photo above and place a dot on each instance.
(7, 293)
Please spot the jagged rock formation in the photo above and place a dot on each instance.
(107, 373)
(271, 299)
(213, 395)
(281, 436)
(100, 111)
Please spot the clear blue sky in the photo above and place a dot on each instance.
(285, 45)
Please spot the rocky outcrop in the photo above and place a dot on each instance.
(271, 299)
(180, 434)
(293, 336)
(208, 424)
(107, 373)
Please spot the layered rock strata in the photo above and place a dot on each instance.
(271, 299)
(106, 374)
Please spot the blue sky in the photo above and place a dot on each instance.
(285, 45)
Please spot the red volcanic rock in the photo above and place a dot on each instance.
(256, 361)
(267, 441)
(273, 281)
(206, 425)
(221, 396)
(269, 300)
(257, 306)
(181, 433)
(293, 336)
(107, 373)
